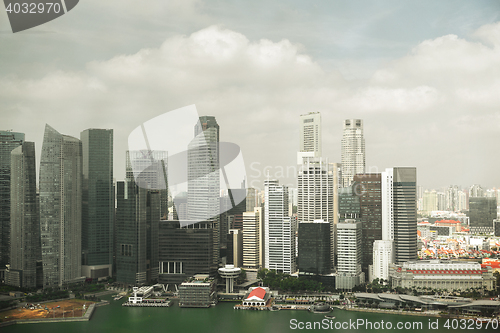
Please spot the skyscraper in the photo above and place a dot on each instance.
(399, 220)
(482, 212)
(8, 141)
(314, 247)
(353, 150)
(137, 218)
(405, 214)
(310, 133)
(368, 187)
(279, 231)
(61, 208)
(203, 203)
(98, 202)
(25, 223)
(349, 254)
(252, 239)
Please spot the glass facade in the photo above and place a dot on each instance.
(60, 207)
(314, 247)
(98, 197)
(25, 223)
(482, 212)
(8, 141)
(185, 249)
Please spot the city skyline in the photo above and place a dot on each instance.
(423, 81)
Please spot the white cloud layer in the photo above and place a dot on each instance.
(414, 109)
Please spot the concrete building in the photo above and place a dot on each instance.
(310, 133)
(252, 222)
(98, 203)
(229, 273)
(446, 275)
(279, 230)
(382, 258)
(496, 227)
(352, 150)
(61, 208)
(349, 273)
(430, 202)
(235, 247)
(199, 291)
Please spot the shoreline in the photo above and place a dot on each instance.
(86, 317)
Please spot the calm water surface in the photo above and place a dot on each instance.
(222, 318)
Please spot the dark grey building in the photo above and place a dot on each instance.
(25, 224)
(482, 212)
(8, 141)
(368, 187)
(349, 204)
(314, 247)
(60, 208)
(185, 249)
(404, 201)
(137, 216)
(98, 202)
(496, 226)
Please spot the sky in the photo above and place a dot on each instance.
(423, 75)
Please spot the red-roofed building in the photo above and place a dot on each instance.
(449, 223)
(257, 296)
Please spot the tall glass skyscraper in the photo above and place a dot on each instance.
(25, 223)
(203, 200)
(8, 141)
(353, 150)
(61, 208)
(98, 202)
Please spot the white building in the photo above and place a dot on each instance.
(251, 239)
(353, 150)
(279, 234)
(310, 133)
(349, 272)
(382, 257)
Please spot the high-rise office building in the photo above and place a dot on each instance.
(452, 198)
(349, 273)
(368, 187)
(482, 212)
(61, 208)
(185, 249)
(314, 247)
(317, 194)
(98, 206)
(404, 214)
(252, 222)
(8, 141)
(138, 213)
(399, 220)
(310, 133)
(25, 224)
(137, 219)
(353, 150)
(315, 190)
(203, 203)
(279, 230)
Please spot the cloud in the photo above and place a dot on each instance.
(257, 89)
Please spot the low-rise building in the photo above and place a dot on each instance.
(257, 296)
(438, 274)
(199, 291)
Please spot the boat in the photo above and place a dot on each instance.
(329, 317)
(483, 320)
(275, 308)
(320, 307)
(118, 297)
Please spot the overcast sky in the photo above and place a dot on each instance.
(423, 75)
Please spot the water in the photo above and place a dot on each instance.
(222, 318)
